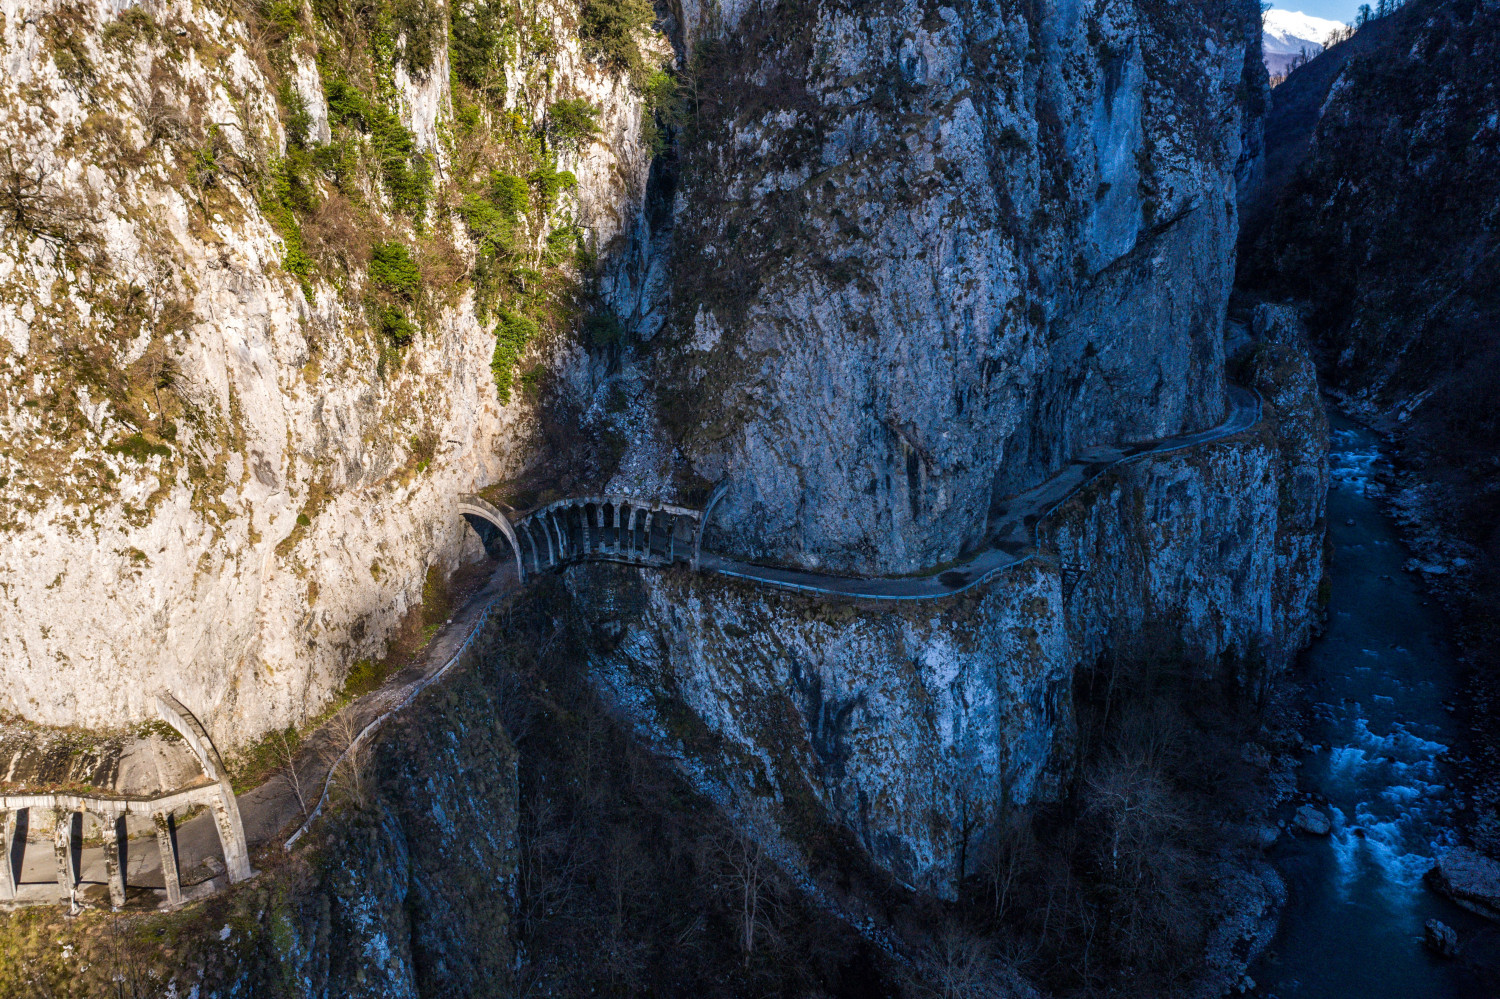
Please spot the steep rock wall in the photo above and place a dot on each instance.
(915, 727)
(218, 472)
(923, 254)
(1222, 545)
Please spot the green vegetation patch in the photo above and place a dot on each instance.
(476, 32)
(608, 29)
(137, 448)
(571, 121)
(392, 269)
(512, 334)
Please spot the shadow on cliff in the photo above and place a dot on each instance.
(1118, 889)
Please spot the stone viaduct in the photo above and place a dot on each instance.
(626, 528)
(613, 528)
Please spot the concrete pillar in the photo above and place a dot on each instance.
(62, 848)
(559, 528)
(8, 872)
(646, 535)
(166, 845)
(630, 532)
(231, 835)
(583, 521)
(599, 524)
(554, 544)
(614, 523)
(114, 869)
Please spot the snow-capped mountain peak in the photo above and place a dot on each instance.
(1286, 34)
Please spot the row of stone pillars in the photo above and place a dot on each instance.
(607, 527)
(68, 812)
(68, 824)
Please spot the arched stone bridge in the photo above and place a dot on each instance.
(609, 528)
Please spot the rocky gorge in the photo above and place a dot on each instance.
(284, 282)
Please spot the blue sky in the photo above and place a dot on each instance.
(1334, 10)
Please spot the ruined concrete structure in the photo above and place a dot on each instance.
(112, 812)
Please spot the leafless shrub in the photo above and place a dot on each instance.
(349, 757)
(128, 971)
(336, 235)
(959, 964)
(160, 117)
(33, 204)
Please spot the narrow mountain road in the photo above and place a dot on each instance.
(1012, 533)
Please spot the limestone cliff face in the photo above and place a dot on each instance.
(896, 724)
(916, 727)
(218, 473)
(923, 254)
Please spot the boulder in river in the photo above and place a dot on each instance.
(1440, 938)
(1310, 819)
(1469, 878)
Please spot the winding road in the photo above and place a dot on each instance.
(1012, 532)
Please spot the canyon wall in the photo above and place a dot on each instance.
(245, 367)
(916, 726)
(895, 265)
(921, 255)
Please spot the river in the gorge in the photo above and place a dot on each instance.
(1379, 684)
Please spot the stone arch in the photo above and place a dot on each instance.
(476, 506)
(554, 524)
(541, 539)
(627, 528)
(612, 525)
(536, 558)
(718, 494)
(648, 532)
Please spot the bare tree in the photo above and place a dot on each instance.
(350, 757)
(750, 873)
(285, 753)
(1010, 856)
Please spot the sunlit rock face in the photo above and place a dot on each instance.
(212, 479)
(921, 255)
(915, 727)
